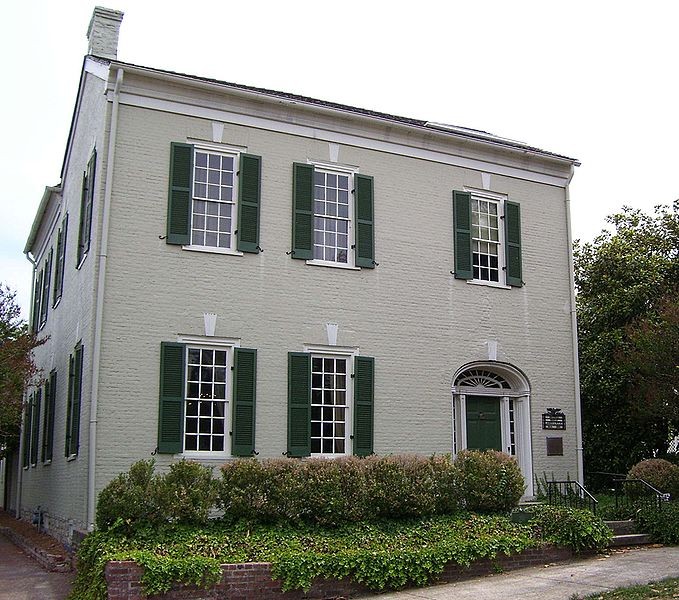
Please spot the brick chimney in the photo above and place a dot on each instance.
(102, 34)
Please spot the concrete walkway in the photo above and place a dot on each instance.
(558, 581)
(22, 578)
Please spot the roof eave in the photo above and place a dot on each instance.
(37, 221)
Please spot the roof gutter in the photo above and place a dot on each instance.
(99, 307)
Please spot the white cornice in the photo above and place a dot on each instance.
(269, 124)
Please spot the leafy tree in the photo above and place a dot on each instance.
(17, 369)
(627, 281)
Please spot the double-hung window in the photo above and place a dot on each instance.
(330, 403)
(332, 216)
(487, 238)
(214, 199)
(207, 399)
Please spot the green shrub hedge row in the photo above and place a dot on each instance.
(315, 491)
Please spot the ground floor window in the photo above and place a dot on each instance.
(328, 405)
(330, 402)
(206, 400)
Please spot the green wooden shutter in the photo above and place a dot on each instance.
(513, 243)
(179, 201)
(69, 404)
(37, 290)
(462, 213)
(35, 426)
(365, 235)
(77, 396)
(244, 394)
(44, 309)
(48, 421)
(249, 199)
(364, 392)
(171, 406)
(86, 208)
(303, 211)
(299, 404)
(28, 413)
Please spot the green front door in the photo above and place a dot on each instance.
(483, 423)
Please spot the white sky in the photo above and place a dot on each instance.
(594, 80)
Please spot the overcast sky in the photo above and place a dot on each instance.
(594, 80)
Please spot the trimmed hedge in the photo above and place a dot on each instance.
(577, 529)
(185, 494)
(332, 492)
(321, 492)
(488, 481)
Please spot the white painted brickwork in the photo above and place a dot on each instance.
(419, 323)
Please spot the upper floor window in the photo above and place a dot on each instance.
(486, 234)
(214, 199)
(333, 220)
(487, 237)
(332, 216)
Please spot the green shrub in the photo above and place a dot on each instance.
(187, 493)
(660, 473)
(131, 497)
(332, 492)
(487, 481)
(662, 524)
(577, 529)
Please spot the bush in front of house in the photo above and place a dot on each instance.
(660, 473)
(487, 481)
(578, 529)
(141, 497)
(333, 492)
(662, 524)
(131, 497)
(187, 493)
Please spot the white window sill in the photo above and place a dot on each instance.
(334, 265)
(212, 250)
(82, 260)
(71, 458)
(329, 456)
(493, 284)
(57, 303)
(46, 462)
(195, 455)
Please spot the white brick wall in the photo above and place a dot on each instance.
(419, 323)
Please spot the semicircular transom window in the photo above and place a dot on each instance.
(482, 378)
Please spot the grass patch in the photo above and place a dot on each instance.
(660, 590)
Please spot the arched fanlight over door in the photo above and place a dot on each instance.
(482, 378)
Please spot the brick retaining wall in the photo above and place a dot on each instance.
(252, 581)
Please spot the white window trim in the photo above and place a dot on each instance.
(212, 343)
(221, 149)
(501, 199)
(351, 251)
(348, 352)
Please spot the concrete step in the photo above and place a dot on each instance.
(622, 527)
(630, 539)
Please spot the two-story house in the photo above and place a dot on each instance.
(228, 271)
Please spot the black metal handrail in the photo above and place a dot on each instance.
(571, 494)
(634, 492)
